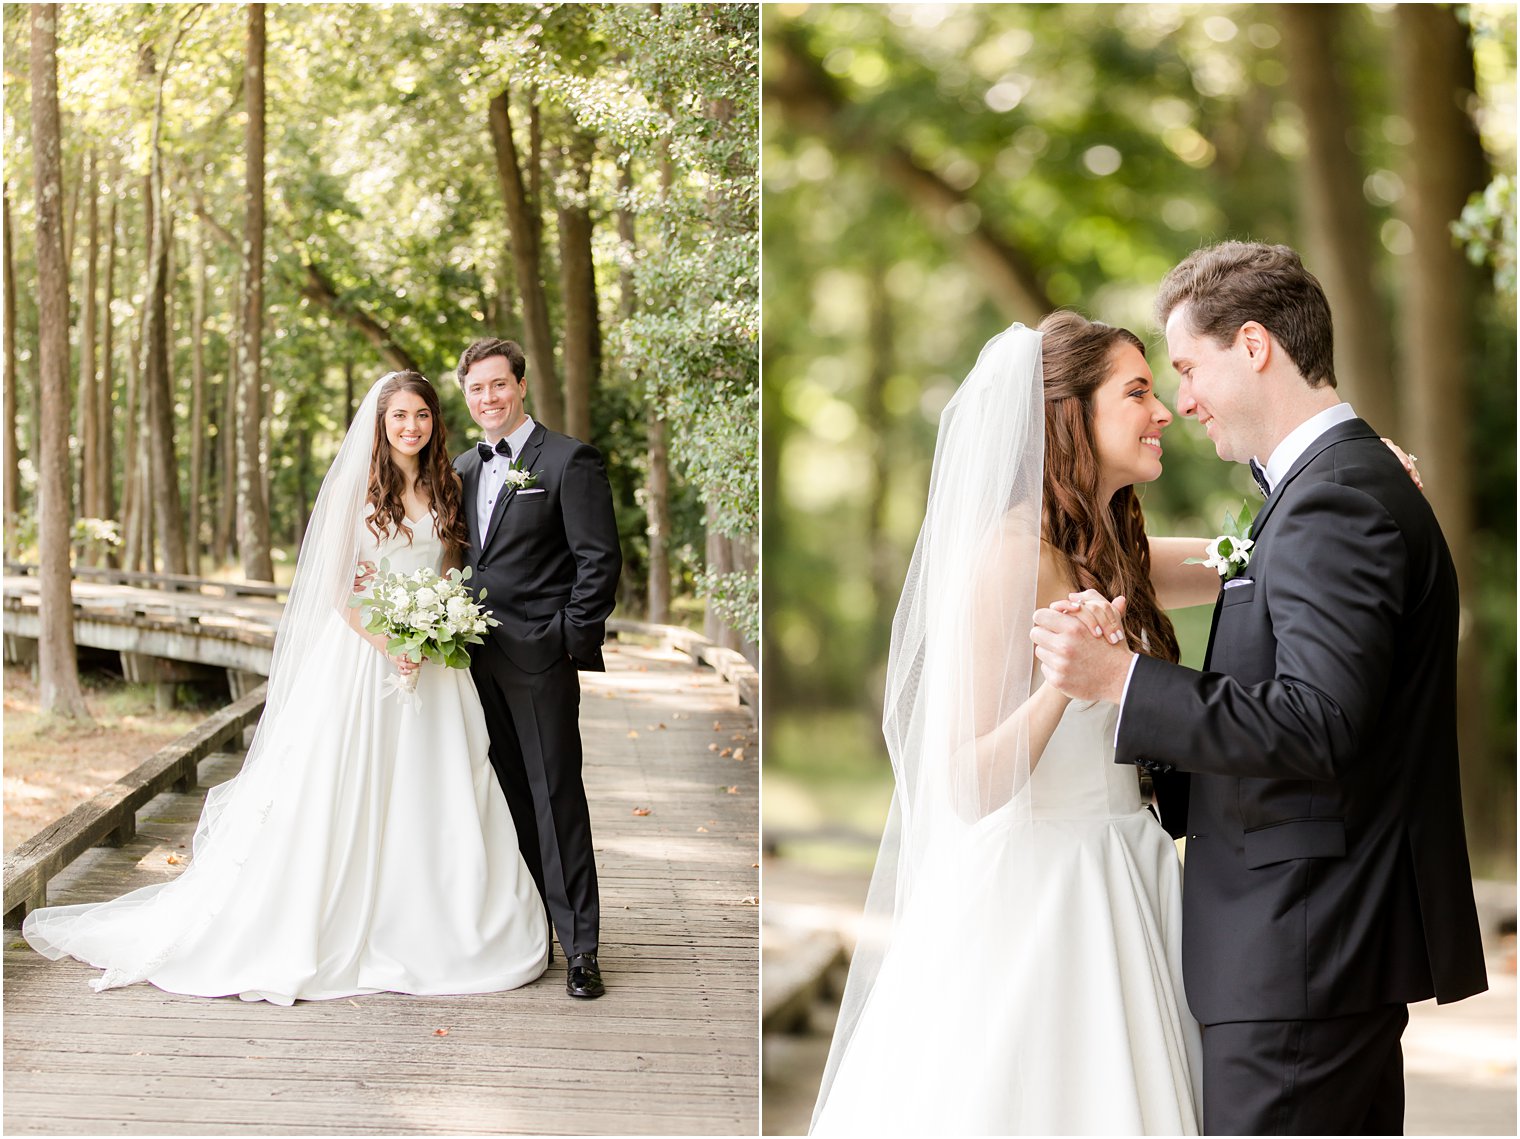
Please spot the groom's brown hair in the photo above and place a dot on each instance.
(1226, 285)
(490, 346)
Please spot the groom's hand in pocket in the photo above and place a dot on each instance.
(1076, 662)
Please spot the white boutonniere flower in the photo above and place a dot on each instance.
(1230, 552)
(517, 477)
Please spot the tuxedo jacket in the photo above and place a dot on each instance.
(549, 561)
(1326, 864)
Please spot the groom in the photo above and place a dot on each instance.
(1327, 882)
(544, 545)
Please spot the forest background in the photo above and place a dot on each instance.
(224, 222)
(934, 172)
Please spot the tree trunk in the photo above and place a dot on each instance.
(526, 226)
(227, 514)
(12, 505)
(885, 577)
(89, 427)
(198, 423)
(253, 532)
(582, 339)
(158, 395)
(131, 530)
(719, 560)
(1337, 223)
(348, 390)
(58, 667)
(657, 456)
(1444, 164)
(105, 391)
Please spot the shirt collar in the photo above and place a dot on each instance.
(519, 438)
(1298, 440)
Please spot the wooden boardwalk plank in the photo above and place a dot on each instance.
(672, 1049)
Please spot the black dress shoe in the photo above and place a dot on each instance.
(584, 977)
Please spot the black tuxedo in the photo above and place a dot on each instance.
(1327, 876)
(549, 563)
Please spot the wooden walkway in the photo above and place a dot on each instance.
(672, 1049)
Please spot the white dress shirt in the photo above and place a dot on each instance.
(493, 476)
(1284, 455)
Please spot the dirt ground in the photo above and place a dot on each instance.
(50, 768)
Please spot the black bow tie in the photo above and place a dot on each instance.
(1256, 473)
(487, 452)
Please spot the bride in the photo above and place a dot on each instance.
(364, 846)
(1019, 970)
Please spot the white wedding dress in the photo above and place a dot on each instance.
(369, 849)
(1055, 1006)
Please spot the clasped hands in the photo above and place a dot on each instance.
(1081, 646)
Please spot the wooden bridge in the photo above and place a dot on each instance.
(672, 777)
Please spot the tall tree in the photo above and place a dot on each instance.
(582, 339)
(1336, 221)
(89, 406)
(1444, 165)
(197, 391)
(525, 221)
(12, 449)
(57, 665)
(104, 494)
(657, 455)
(253, 531)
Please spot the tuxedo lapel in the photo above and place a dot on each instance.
(526, 458)
(1351, 429)
(469, 478)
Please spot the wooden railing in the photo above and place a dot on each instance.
(170, 582)
(110, 818)
(727, 663)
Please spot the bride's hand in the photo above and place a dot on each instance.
(405, 665)
(1408, 461)
(363, 572)
(1102, 617)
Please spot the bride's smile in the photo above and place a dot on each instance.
(1127, 422)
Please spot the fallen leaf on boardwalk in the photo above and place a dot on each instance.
(749, 901)
(354, 1003)
(739, 753)
(643, 668)
(717, 725)
(736, 737)
(712, 747)
(701, 830)
(174, 860)
(726, 752)
(632, 734)
(641, 810)
(656, 728)
(440, 1032)
(734, 790)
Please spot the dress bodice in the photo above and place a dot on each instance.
(424, 551)
(1077, 776)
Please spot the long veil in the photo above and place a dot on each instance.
(958, 671)
(130, 936)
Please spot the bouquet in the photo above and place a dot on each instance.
(424, 617)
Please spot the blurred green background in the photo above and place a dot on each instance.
(933, 172)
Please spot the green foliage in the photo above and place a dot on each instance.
(381, 177)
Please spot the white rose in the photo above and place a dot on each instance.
(425, 598)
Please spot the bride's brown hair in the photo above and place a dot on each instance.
(1102, 543)
(387, 492)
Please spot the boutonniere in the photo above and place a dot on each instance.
(517, 477)
(1230, 552)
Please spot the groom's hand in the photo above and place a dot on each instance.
(1077, 663)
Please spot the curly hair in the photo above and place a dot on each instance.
(387, 491)
(1103, 544)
